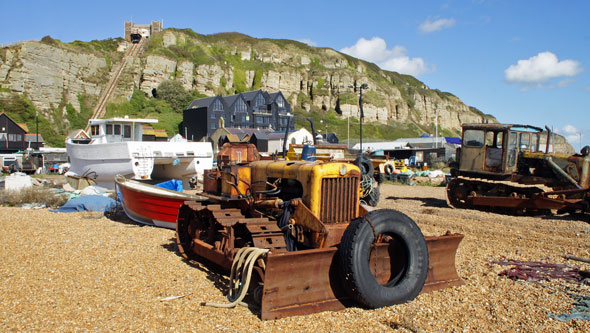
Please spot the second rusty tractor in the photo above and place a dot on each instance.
(506, 168)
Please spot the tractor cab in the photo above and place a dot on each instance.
(495, 148)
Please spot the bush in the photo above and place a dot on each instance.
(33, 195)
(174, 94)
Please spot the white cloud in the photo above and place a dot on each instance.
(308, 42)
(431, 25)
(571, 133)
(395, 59)
(540, 68)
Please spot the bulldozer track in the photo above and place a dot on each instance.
(105, 95)
(197, 221)
(460, 188)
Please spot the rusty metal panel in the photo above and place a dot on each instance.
(235, 180)
(305, 282)
(472, 158)
(302, 282)
(269, 241)
(209, 252)
(338, 199)
(441, 262)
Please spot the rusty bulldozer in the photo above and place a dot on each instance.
(306, 242)
(504, 168)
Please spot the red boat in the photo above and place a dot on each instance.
(150, 204)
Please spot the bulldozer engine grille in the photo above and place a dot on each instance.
(339, 199)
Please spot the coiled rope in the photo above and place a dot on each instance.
(241, 272)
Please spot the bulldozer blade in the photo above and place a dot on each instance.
(441, 265)
(302, 282)
(309, 281)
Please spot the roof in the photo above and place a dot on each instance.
(250, 95)
(261, 135)
(274, 95)
(160, 133)
(122, 120)
(23, 126)
(230, 100)
(390, 145)
(202, 102)
(32, 137)
(495, 126)
(427, 140)
(451, 139)
(148, 130)
(79, 133)
(277, 135)
(7, 117)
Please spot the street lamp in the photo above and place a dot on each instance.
(361, 87)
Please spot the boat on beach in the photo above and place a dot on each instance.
(119, 146)
(151, 204)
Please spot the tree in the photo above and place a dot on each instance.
(174, 94)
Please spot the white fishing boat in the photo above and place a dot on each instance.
(119, 146)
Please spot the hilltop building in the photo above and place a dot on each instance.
(254, 109)
(145, 30)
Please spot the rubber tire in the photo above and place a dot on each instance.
(373, 198)
(388, 168)
(365, 164)
(354, 249)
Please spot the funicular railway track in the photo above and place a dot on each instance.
(105, 95)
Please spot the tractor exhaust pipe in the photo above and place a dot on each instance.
(547, 145)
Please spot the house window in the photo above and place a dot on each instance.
(280, 102)
(117, 129)
(241, 106)
(15, 137)
(213, 126)
(260, 100)
(217, 106)
(259, 119)
(94, 130)
(127, 131)
(212, 115)
(109, 129)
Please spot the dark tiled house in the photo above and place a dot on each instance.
(14, 137)
(254, 109)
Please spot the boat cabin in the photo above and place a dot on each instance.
(117, 129)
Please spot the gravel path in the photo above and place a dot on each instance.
(82, 271)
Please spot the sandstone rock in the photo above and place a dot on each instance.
(305, 60)
(157, 70)
(246, 54)
(169, 39)
(50, 75)
(185, 74)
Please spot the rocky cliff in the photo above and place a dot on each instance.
(53, 74)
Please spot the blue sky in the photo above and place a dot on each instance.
(521, 61)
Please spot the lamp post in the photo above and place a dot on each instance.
(362, 115)
(37, 128)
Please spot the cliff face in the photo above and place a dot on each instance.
(52, 75)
